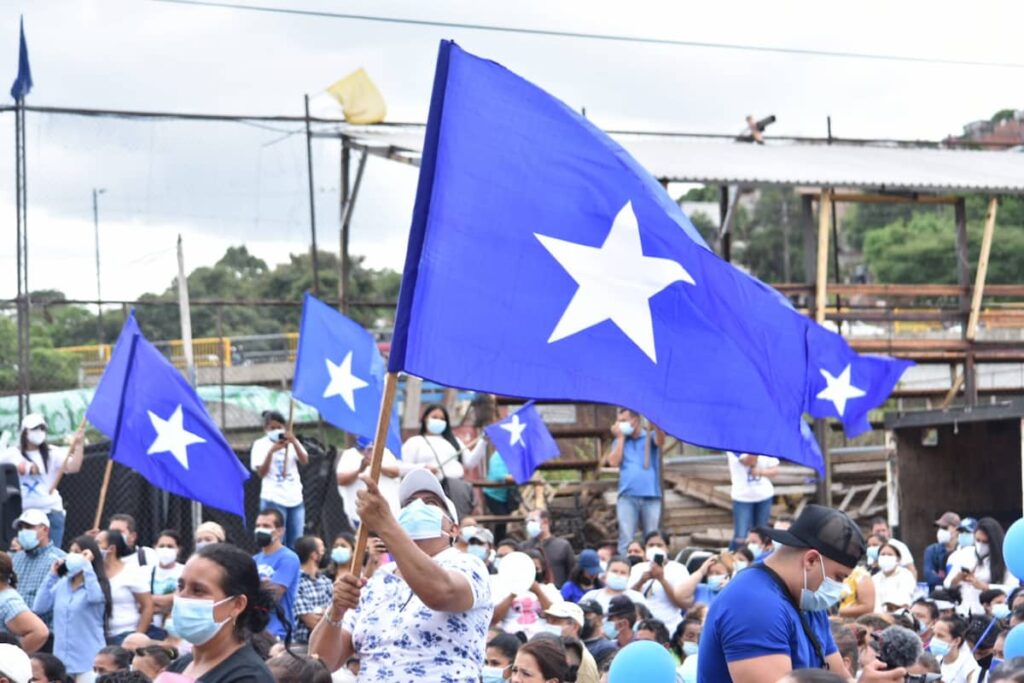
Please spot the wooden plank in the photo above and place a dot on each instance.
(821, 284)
(866, 505)
(983, 257)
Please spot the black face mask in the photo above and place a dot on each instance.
(539, 577)
(634, 560)
(325, 560)
(263, 537)
(587, 632)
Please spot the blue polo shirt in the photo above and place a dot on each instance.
(634, 479)
(752, 617)
(282, 568)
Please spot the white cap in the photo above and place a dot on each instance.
(423, 480)
(15, 664)
(566, 610)
(32, 420)
(33, 517)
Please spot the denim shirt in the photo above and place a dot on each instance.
(77, 618)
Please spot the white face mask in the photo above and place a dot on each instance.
(886, 563)
(982, 549)
(653, 553)
(37, 437)
(943, 536)
(167, 556)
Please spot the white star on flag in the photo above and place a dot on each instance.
(515, 429)
(839, 390)
(172, 437)
(343, 383)
(616, 282)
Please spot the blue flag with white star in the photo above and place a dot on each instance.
(165, 434)
(545, 262)
(102, 412)
(23, 82)
(340, 372)
(523, 442)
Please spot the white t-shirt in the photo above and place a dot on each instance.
(661, 606)
(281, 485)
(124, 613)
(964, 670)
(745, 487)
(425, 450)
(35, 488)
(132, 559)
(970, 597)
(603, 596)
(350, 461)
(896, 588)
(163, 581)
(525, 612)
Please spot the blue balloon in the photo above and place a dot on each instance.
(642, 660)
(1015, 642)
(1013, 548)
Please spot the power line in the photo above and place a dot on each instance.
(599, 36)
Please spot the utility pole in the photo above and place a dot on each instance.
(185, 313)
(96, 192)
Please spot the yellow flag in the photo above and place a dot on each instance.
(359, 98)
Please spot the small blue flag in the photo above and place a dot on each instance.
(844, 384)
(23, 83)
(523, 441)
(102, 412)
(165, 434)
(340, 372)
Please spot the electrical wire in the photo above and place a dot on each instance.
(803, 52)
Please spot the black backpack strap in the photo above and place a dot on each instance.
(808, 631)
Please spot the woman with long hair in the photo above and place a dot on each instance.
(78, 593)
(541, 661)
(979, 567)
(219, 606)
(131, 599)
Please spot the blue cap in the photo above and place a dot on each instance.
(589, 562)
(968, 524)
(362, 442)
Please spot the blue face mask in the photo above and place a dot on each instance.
(996, 663)
(873, 554)
(610, 631)
(690, 649)
(492, 674)
(479, 551)
(716, 581)
(75, 563)
(966, 539)
(420, 521)
(617, 582)
(341, 555)
(1001, 611)
(939, 648)
(828, 593)
(626, 428)
(193, 619)
(28, 538)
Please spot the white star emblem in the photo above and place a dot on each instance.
(515, 430)
(839, 390)
(172, 437)
(616, 282)
(343, 383)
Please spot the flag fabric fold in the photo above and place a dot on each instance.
(23, 82)
(523, 442)
(360, 100)
(102, 411)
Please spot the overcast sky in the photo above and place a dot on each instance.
(220, 184)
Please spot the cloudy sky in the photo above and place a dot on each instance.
(220, 184)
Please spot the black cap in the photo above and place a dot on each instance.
(591, 607)
(831, 532)
(621, 605)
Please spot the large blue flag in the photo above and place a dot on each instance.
(340, 372)
(165, 434)
(102, 412)
(23, 83)
(523, 441)
(577, 277)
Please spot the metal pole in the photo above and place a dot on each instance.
(96, 192)
(346, 163)
(18, 172)
(220, 352)
(346, 220)
(312, 201)
(186, 342)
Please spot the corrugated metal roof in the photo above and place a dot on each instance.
(722, 162)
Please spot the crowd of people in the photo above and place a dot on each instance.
(437, 596)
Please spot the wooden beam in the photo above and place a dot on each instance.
(858, 198)
(979, 278)
(953, 391)
(821, 288)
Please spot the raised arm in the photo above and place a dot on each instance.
(300, 450)
(328, 641)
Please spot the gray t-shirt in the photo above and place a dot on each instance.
(560, 556)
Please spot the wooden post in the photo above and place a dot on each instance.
(807, 229)
(979, 278)
(821, 274)
(103, 494)
(376, 458)
(291, 421)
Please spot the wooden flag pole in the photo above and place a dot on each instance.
(103, 493)
(376, 458)
(63, 467)
(291, 421)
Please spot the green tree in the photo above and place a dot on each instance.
(51, 369)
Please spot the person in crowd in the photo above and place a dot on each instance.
(741, 558)
(979, 567)
(980, 637)
(936, 554)
(565, 619)
(15, 665)
(163, 580)
(110, 659)
(77, 591)
(759, 543)
(606, 550)
(558, 551)
(926, 613)
(592, 634)
(880, 527)
(858, 596)
(138, 555)
(278, 567)
(949, 645)
(874, 544)
(481, 546)
(521, 611)
(15, 616)
(751, 492)
(846, 642)
(314, 593)
(686, 638)
(505, 547)
(965, 535)
(132, 601)
(654, 629)
(207, 533)
(500, 500)
(925, 664)
(619, 620)
(1016, 597)
(894, 584)
(47, 668)
(616, 583)
(582, 668)
(540, 661)
(792, 590)
(498, 660)
(437, 449)
(153, 659)
(275, 458)
(341, 553)
(658, 578)
(636, 452)
(221, 602)
(705, 584)
(467, 527)
(634, 553)
(992, 601)
(584, 576)
(292, 668)
(352, 463)
(430, 589)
